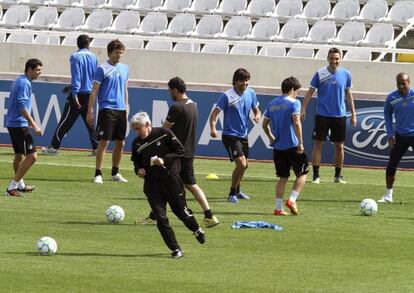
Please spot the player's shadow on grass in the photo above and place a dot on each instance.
(87, 180)
(330, 200)
(102, 223)
(77, 254)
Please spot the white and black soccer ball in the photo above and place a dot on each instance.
(368, 207)
(115, 214)
(46, 246)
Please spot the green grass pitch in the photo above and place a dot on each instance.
(329, 247)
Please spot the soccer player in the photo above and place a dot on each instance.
(182, 120)
(156, 154)
(83, 64)
(18, 122)
(236, 104)
(285, 136)
(110, 86)
(400, 104)
(333, 84)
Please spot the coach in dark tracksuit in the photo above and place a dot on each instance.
(83, 65)
(156, 154)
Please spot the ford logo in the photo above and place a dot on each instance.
(368, 139)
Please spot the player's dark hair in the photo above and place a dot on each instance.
(289, 84)
(32, 64)
(177, 83)
(241, 74)
(115, 45)
(83, 41)
(334, 50)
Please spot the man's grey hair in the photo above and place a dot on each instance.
(140, 118)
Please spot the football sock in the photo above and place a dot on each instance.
(114, 171)
(13, 185)
(338, 172)
(208, 214)
(21, 184)
(315, 171)
(238, 189)
(98, 172)
(232, 191)
(293, 195)
(388, 192)
(278, 204)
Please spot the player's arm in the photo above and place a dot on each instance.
(167, 124)
(351, 105)
(305, 102)
(176, 146)
(23, 99)
(266, 129)
(75, 80)
(213, 118)
(91, 104)
(297, 125)
(257, 114)
(136, 158)
(388, 122)
(126, 98)
(31, 121)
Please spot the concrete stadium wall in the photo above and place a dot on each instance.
(208, 70)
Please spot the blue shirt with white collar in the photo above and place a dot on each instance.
(402, 107)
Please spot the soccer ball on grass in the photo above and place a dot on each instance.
(115, 214)
(46, 246)
(368, 207)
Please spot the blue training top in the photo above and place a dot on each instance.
(403, 109)
(236, 109)
(331, 88)
(113, 80)
(20, 98)
(279, 112)
(83, 65)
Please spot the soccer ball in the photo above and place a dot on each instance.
(46, 246)
(368, 207)
(115, 214)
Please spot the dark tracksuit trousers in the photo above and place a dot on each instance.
(69, 116)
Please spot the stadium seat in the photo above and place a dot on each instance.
(286, 9)
(8, 2)
(379, 35)
(89, 4)
(62, 3)
(265, 29)
(243, 49)
(321, 32)
(98, 21)
(152, 24)
(373, 11)
(69, 41)
(321, 54)
(43, 17)
(293, 30)
(132, 43)
(350, 33)
(260, 8)
(126, 22)
(147, 5)
(344, 10)
(70, 19)
(181, 25)
(44, 39)
(186, 47)
(236, 28)
(99, 42)
(208, 26)
(231, 7)
(19, 37)
(316, 9)
(2, 36)
(1, 12)
(219, 48)
(175, 6)
(15, 16)
(300, 53)
(119, 4)
(358, 55)
(272, 51)
(401, 13)
(159, 45)
(34, 3)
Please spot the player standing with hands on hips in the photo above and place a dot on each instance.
(110, 87)
(18, 122)
(236, 104)
(400, 104)
(156, 155)
(333, 84)
(285, 136)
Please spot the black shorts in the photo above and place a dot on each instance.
(187, 171)
(235, 146)
(111, 124)
(286, 159)
(22, 140)
(402, 143)
(337, 126)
